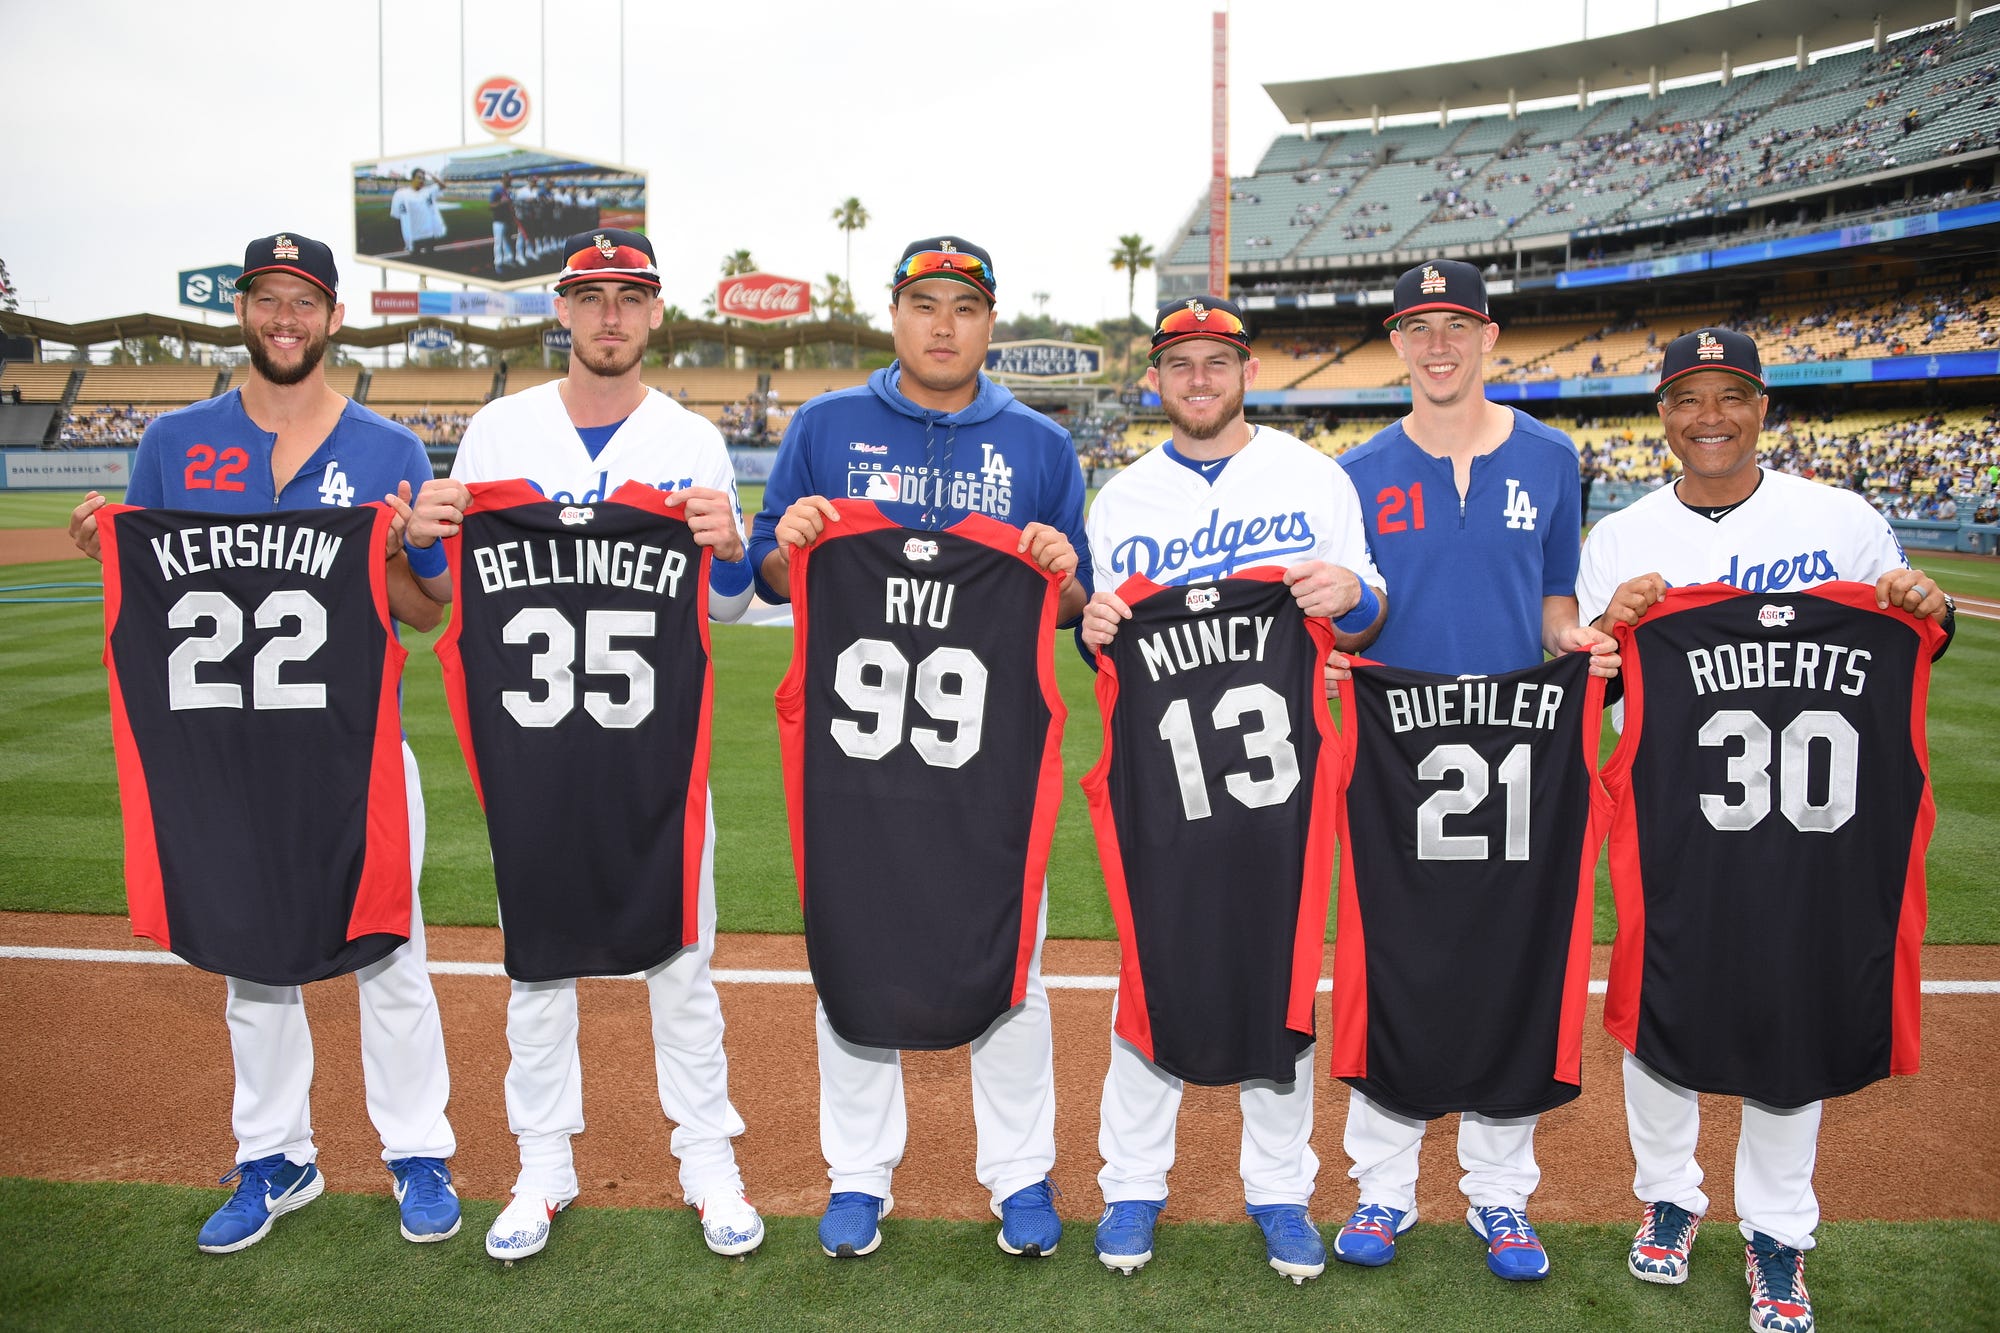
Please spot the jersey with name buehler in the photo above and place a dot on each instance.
(1767, 855)
(921, 730)
(253, 680)
(577, 668)
(1470, 826)
(1216, 845)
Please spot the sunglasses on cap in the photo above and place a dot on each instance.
(926, 263)
(1207, 320)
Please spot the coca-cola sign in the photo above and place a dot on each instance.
(763, 297)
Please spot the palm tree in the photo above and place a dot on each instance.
(740, 262)
(835, 300)
(850, 217)
(1132, 255)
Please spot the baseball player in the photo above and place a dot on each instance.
(287, 440)
(415, 206)
(1729, 520)
(930, 439)
(509, 240)
(1473, 512)
(577, 440)
(1221, 496)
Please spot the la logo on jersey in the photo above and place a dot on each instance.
(1520, 511)
(333, 487)
(994, 470)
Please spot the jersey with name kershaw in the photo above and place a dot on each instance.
(1470, 574)
(1790, 534)
(1279, 502)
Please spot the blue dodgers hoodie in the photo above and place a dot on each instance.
(925, 469)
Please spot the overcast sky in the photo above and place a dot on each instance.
(140, 137)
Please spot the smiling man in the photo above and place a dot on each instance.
(1474, 515)
(1729, 520)
(1222, 496)
(577, 440)
(930, 439)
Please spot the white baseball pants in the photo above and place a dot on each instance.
(545, 1076)
(863, 1124)
(402, 1045)
(1775, 1153)
(1136, 1121)
(1498, 1156)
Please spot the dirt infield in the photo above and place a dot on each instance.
(29, 546)
(122, 1072)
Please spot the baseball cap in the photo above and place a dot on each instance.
(289, 252)
(1711, 349)
(608, 254)
(1441, 284)
(951, 257)
(1199, 317)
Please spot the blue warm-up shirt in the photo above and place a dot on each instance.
(213, 458)
(1469, 576)
(926, 469)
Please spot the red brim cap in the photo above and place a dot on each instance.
(243, 282)
(1402, 315)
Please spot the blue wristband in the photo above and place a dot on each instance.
(728, 577)
(427, 562)
(1363, 615)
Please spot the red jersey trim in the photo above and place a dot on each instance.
(382, 898)
(145, 891)
(1576, 976)
(1349, 1043)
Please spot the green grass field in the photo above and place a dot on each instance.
(99, 1256)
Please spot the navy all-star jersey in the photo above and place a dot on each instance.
(1212, 823)
(253, 675)
(922, 736)
(578, 672)
(1767, 854)
(1470, 826)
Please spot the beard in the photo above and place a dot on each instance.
(310, 353)
(1227, 407)
(609, 362)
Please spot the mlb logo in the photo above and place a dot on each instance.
(878, 486)
(574, 517)
(1775, 617)
(916, 548)
(1432, 283)
(1203, 599)
(1708, 347)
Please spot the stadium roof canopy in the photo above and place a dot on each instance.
(1723, 39)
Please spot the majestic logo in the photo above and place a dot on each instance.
(575, 517)
(1203, 599)
(916, 548)
(1432, 283)
(604, 246)
(284, 248)
(1775, 617)
(1708, 347)
(856, 446)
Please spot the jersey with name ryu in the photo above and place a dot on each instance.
(1470, 825)
(921, 729)
(1278, 502)
(1774, 805)
(577, 668)
(260, 764)
(1216, 843)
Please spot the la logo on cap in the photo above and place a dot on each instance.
(605, 247)
(1199, 310)
(1432, 283)
(1708, 348)
(284, 248)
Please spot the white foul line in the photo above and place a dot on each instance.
(737, 976)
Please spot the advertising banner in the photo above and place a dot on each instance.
(69, 469)
(211, 288)
(1043, 358)
(764, 298)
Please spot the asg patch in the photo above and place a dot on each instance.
(1775, 617)
(575, 517)
(916, 548)
(1203, 599)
